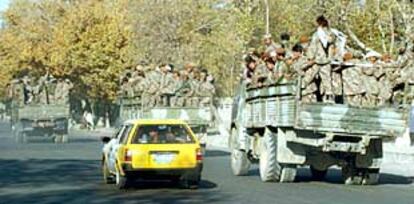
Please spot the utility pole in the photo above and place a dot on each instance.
(267, 16)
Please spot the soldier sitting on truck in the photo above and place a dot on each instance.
(370, 79)
(184, 90)
(305, 69)
(206, 89)
(352, 77)
(166, 85)
(62, 91)
(249, 70)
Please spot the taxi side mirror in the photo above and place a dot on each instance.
(105, 140)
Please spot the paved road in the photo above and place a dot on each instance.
(42, 172)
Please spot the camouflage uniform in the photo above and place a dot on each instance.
(323, 57)
(138, 85)
(206, 91)
(353, 85)
(151, 84)
(282, 72)
(166, 88)
(388, 81)
(194, 100)
(183, 92)
(18, 92)
(259, 75)
(67, 86)
(307, 73)
(372, 86)
(404, 76)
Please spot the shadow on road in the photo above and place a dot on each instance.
(216, 153)
(334, 176)
(36, 140)
(79, 181)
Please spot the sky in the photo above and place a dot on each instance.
(4, 4)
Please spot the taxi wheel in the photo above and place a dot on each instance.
(191, 184)
(120, 181)
(108, 178)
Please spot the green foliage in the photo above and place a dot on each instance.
(93, 41)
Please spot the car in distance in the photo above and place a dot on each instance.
(152, 149)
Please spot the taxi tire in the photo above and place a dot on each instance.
(191, 184)
(121, 182)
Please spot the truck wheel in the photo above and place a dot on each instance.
(121, 181)
(317, 174)
(240, 164)
(25, 139)
(371, 177)
(57, 139)
(21, 138)
(268, 166)
(287, 173)
(65, 138)
(17, 137)
(232, 141)
(351, 175)
(108, 178)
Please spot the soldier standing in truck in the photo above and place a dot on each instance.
(322, 51)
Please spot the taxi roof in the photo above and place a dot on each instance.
(156, 122)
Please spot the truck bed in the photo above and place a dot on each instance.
(45, 112)
(192, 115)
(271, 106)
(344, 119)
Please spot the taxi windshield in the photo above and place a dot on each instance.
(163, 134)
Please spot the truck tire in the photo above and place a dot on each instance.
(270, 169)
(371, 177)
(57, 139)
(351, 175)
(17, 137)
(317, 174)
(65, 138)
(268, 166)
(240, 164)
(21, 137)
(232, 141)
(287, 173)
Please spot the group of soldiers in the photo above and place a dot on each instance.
(45, 90)
(331, 72)
(163, 85)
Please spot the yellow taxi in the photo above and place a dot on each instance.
(152, 149)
